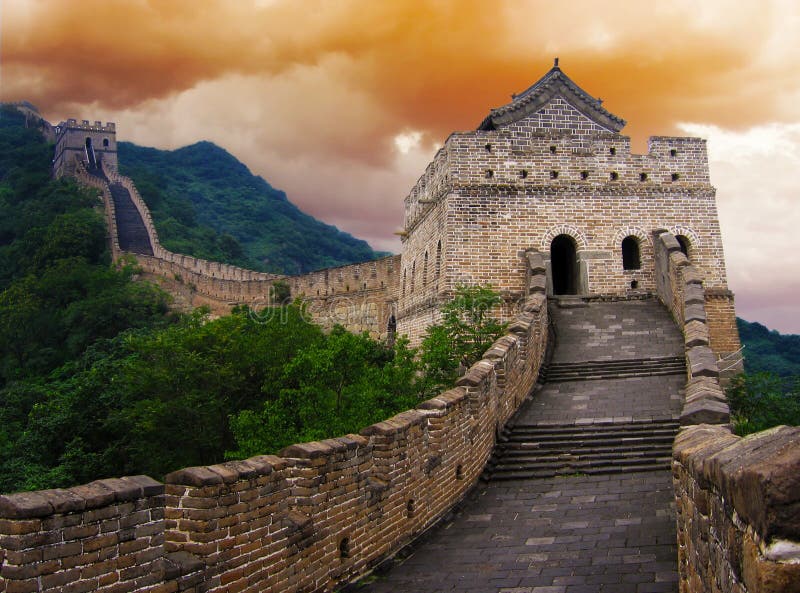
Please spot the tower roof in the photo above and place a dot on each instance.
(554, 83)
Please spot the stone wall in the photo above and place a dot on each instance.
(362, 296)
(680, 287)
(738, 509)
(321, 514)
(738, 499)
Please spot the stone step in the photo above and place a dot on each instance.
(131, 231)
(568, 445)
(618, 362)
(618, 369)
(588, 433)
(613, 375)
(512, 458)
(631, 466)
(531, 450)
(517, 443)
(595, 427)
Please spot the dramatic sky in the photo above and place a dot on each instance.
(342, 103)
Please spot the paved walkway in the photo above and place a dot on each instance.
(562, 535)
(572, 534)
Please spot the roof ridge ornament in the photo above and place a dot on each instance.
(553, 84)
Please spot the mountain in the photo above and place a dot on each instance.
(208, 204)
(768, 350)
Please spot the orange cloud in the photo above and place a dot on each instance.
(435, 66)
(312, 94)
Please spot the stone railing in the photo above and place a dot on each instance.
(321, 514)
(738, 510)
(738, 499)
(680, 287)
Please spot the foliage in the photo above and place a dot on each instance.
(762, 400)
(466, 331)
(768, 350)
(208, 204)
(58, 293)
(98, 379)
(334, 386)
(280, 292)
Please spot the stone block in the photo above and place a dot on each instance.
(691, 275)
(25, 505)
(500, 347)
(694, 312)
(699, 388)
(693, 294)
(123, 490)
(705, 411)
(64, 501)
(764, 576)
(312, 450)
(537, 284)
(149, 486)
(193, 476)
(535, 262)
(444, 400)
(695, 333)
(477, 374)
(764, 484)
(695, 444)
(702, 362)
(669, 242)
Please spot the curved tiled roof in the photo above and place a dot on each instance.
(554, 83)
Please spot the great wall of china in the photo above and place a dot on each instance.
(322, 514)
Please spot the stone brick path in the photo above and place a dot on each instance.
(571, 534)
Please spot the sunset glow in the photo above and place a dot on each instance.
(342, 104)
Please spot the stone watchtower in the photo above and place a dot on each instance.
(93, 144)
(551, 172)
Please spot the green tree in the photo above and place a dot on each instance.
(762, 400)
(331, 387)
(468, 328)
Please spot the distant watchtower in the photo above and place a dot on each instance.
(92, 143)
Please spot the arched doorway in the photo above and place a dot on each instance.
(564, 265)
(684, 243)
(90, 153)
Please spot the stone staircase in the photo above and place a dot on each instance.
(614, 369)
(131, 230)
(609, 399)
(531, 451)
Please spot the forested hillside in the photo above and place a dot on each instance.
(768, 350)
(208, 204)
(99, 379)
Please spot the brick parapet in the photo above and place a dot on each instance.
(321, 514)
(104, 536)
(680, 287)
(738, 504)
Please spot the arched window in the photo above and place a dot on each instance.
(425, 270)
(685, 244)
(105, 142)
(631, 260)
(413, 274)
(438, 259)
(404, 283)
